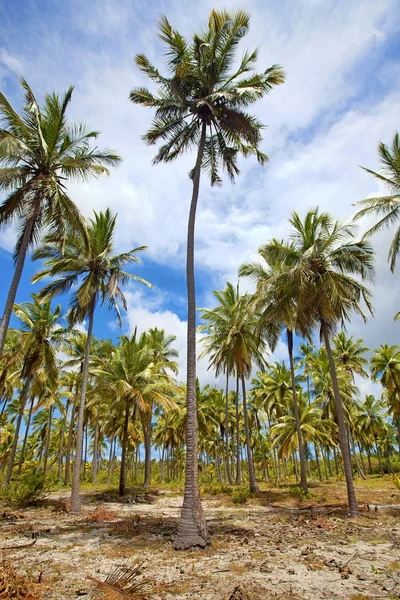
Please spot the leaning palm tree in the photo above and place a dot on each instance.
(386, 208)
(87, 263)
(202, 104)
(39, 151)
(321, 264)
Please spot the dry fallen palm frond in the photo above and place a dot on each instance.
(122, 584)
(17, 586)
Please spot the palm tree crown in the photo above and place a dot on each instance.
(387, 208)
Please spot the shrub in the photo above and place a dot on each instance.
(26, 490)
(298, 493)
(240, 495)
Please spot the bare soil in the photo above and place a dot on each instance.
(273, 547)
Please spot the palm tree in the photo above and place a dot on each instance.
(321, 263)
(371, 421)
(86, 262)
(385, 368)
(41, 336)
(217, 323)
(279, 310)
(39, 151)
(203, 105)
(386, 208)
(313, 426)
(235, 336)
(350, 354)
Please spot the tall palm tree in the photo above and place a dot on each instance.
(321, 263)
(385, 368)
(40, 338)
(386, 208)
(39, 151)
(87, 264)
(279, 311)
(202, 105)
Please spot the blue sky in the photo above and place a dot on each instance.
(341, 98)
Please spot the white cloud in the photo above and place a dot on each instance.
(323, 122)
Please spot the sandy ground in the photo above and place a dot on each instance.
(295, 551)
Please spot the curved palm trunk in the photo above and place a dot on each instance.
(252, 475)
(46, 450)
(227, 466)
(378, 455)
(122, 478)
(353, 508)
(75, 498)
(21, 458)
(303, 473)
(192, 530)
(19, 267)
(61, 448)
(24, 397)
(238, 458)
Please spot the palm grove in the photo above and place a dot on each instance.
(75, 408)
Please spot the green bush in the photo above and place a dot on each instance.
(25, 490)
(298, 493)
(240, 495)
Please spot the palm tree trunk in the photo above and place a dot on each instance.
(303, 473)
(369, 461)
(96, 445)
(361, 458)
(379, 456)
(336, 462)
(238, 458)
(217, 461)
(353, 449)
(24, 397)
(46, 450)
(146, 423)
(122, 478)
(252, 475)
(12, 292)
(110, 460)
(60, 451)
(21, 458)
(192, 529)
(70, 438)
(75, 497)
(264, 464)
(317, 461)
(295, 465)
(352, 501)
(227, 467)
(324, 461)
(85, 447)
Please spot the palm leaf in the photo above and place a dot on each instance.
(122, 584)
